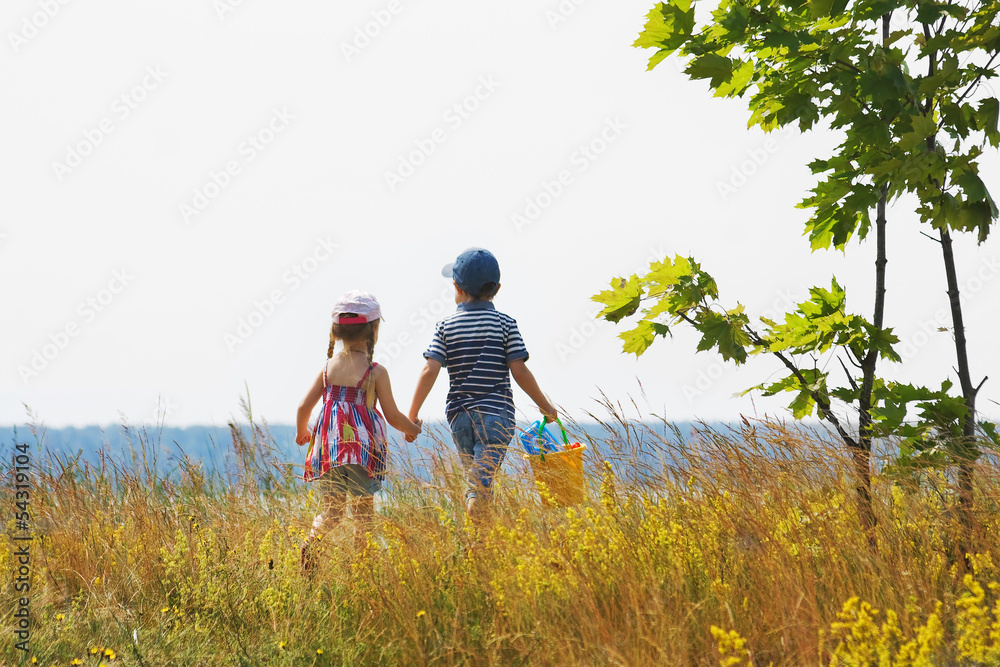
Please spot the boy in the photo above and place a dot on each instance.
(482, 349)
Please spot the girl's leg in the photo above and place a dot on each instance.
(333, 510)
(364, 513)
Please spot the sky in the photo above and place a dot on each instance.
(189, 186)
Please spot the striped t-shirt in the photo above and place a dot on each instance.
(476, 344)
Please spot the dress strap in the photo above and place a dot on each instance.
(365, 376)
(324, 375)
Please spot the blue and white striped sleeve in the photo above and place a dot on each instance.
(437, 350)
(515, 346)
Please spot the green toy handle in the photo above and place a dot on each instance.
(545, 420)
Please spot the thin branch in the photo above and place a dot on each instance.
(853, 358)
(931, 68)
(850, 378)
(822, 403)
(975, 82)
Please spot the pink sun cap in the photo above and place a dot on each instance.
(356, 308)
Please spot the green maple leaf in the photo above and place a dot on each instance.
(718, 332)
(923, 126)
(711, 66)
(641, 337)
(974, 188)
(989, 111)
(621, 300)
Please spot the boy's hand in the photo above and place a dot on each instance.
(303, 437)
(550, 413)
(412, 438)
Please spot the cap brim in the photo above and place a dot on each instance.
(449, 270)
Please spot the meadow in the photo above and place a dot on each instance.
(727, 547)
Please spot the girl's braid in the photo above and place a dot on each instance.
(333, 341)
(370, 381)
(371, 343)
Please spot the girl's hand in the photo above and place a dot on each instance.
(303, 437)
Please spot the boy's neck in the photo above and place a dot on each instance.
(476, 304)
(464, 297)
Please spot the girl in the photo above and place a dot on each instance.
(347, 447)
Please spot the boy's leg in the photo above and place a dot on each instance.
(491, 436)
(464, 436)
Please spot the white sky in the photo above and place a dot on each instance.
(222, 76)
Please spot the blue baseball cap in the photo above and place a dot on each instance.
(476, 271)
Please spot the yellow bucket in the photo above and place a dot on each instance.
(562, 474)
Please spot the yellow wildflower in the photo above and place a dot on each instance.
(421, 613)
(319, 651)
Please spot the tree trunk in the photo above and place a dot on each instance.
(966, 450)
(862, 452)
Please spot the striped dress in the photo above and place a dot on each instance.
(347, 431)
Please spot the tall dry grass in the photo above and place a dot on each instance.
(737, 547)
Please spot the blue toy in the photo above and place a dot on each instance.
(530, 440)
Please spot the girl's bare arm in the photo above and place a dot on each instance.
(302, 434)
(396, 419)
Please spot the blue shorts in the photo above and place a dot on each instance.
(482, 441)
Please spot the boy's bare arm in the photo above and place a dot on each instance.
(525, 379)
(424, 385)
(383, 389)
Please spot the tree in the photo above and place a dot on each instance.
(893, 76)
